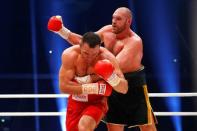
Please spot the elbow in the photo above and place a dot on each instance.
(125, 89)
(62, 88)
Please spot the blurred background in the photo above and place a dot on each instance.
(31, 55)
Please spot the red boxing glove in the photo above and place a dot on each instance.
(105, 69)
(99, 88)
(54, 23)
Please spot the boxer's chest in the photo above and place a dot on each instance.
(82, 68)
(112, 44)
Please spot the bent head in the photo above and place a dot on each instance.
(90, 46)
(121, 20)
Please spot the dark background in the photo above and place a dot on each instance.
(27, 67)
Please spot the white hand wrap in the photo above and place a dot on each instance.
(64, 32)
(113, 80)
(91, 88)
(83, 79)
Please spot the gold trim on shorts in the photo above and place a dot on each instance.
(149, 110)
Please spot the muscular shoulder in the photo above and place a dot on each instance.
(106, 28)
(106, 54)
(103, 30)
(70, 54)
(134, 40)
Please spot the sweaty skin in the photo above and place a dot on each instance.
(75, 63)
(125, 44)
(79, 60)
(119, 39)
(127, 49)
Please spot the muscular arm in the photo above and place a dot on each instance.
(122, 87)
(74, 39)
(129, 58)
(71, 37)
(55, 24)
(101, 31)
(66, 75)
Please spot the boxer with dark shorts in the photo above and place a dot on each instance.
(127, 47)
(136, 105)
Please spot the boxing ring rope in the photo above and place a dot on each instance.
(65, 95)
(13, 96)
(63, 113)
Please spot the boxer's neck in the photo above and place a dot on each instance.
(124, 34)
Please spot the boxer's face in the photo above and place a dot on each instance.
(88, 53)
(119, 22)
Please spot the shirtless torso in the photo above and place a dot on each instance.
(85, 107)
(128, 49)
(75, 64)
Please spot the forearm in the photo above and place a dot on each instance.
(55, 24)
(75, 86)
(100, 88)
(72, 38)
(70, 87)
(115, 78)
(122, 87)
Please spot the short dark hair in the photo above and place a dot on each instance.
(92, 39)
